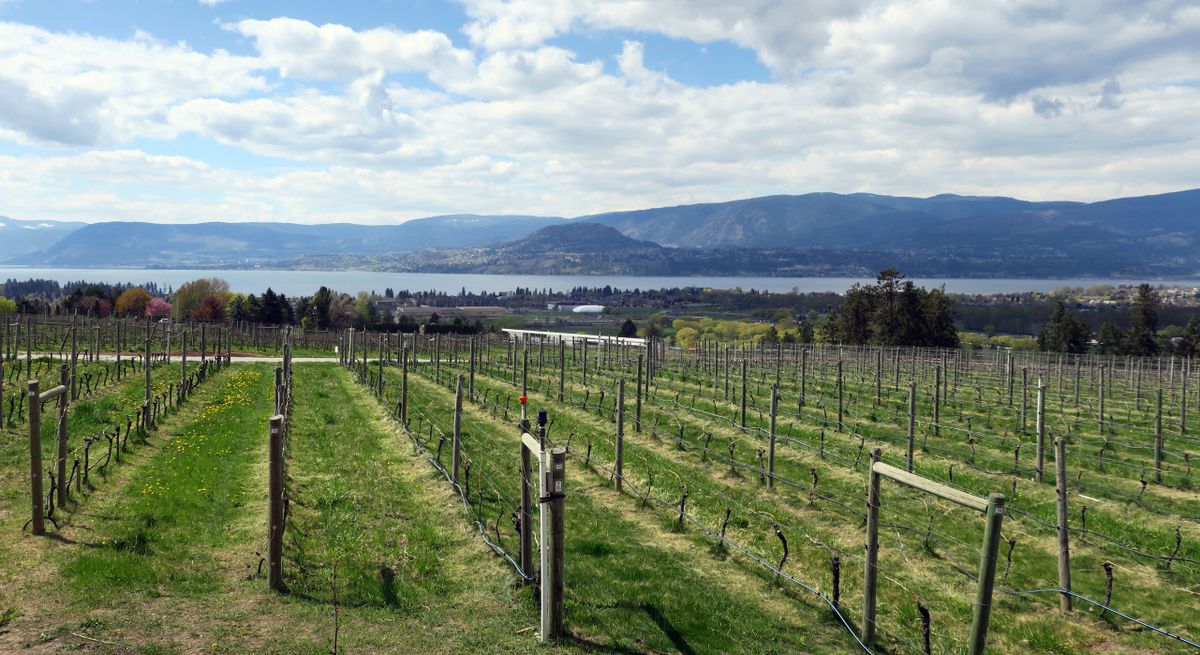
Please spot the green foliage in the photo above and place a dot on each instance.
(894, 312)
(1111, 338)
(1143, 318)
(628, 328)
(192, 294)
(7, 307)
(1064, 332)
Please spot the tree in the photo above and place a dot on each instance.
(1143, 319)
(1189, 343)
(7, 307)
(158, 308)
(133, 302)
(628, 328)
(190, 295)
(1111, 338)
(210, 310)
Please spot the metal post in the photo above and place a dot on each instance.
(562, 367)
(841, 424)
(526, 516)
(745, 364)
(558, 483)
(404, 386)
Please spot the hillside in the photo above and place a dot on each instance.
(811, 234)
(23, 237)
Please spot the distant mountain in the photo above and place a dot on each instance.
(23, 237)
(812, 234)
(230, 244)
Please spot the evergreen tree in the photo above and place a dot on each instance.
(1143, 319)
(628, 328)
(1111, 338)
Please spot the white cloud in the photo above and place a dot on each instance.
(914, 98)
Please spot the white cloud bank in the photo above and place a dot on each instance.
(1032, 99)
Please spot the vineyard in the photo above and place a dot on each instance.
(724, 498)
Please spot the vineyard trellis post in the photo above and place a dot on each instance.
(551, 515)
(37, 520)
(912, 424)
(61, 482)
(993, 509)
(275, 530)
(637, 415)
(1158, 438)
(1041, 431)
(1064, 535)
(457, 444)
(619, 465)
(771, 454)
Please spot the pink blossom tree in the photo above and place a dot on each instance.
(158, 308)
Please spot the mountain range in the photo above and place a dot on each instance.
(811, 234)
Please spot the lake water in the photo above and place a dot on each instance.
(303, 283)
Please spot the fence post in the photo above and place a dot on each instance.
(912, 424)
(526, 515)
(404, 385)
(1158, 438)
(637, 415)
(61, 482)
(1064, 536)
(275, 531)
(987, 573)
(937, 400)
(457, 428)
(1039, 472)
(745, 364)
(771, 454)
(38, 520)
(562, 367)
(552, 576)
(471, 373)
(870, 570)
(841, 424)
(619, 467)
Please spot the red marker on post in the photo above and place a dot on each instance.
(522, 399)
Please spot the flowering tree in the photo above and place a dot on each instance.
(133, 302)
(158, 308)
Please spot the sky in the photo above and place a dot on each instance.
(380, 112)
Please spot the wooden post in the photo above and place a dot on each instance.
(771, 454)
(745, 364)
(75, 356)
(1008, 368)
(1158, 439)
(1039, 473)
(562, 367)
(585, 360)
(637, 412)
(912, 424)
(1064, 534)
(457, 429)
(275, 530)
(471, 374)
(937, 400)
(1101, 399)
(1183, 402)
(38, 520)
(841, 424)
(1024, 397)
(61, 482)
(987, 574)
(619, 467)
(803, 376)
(404, 386)
(872, 563)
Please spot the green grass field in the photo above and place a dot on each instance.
(163, 551)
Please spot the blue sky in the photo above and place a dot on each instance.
(379, 112)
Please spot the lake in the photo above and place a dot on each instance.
(303, 283)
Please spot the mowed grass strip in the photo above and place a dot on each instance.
(159, 534)
(632, 586)
(411, 576)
